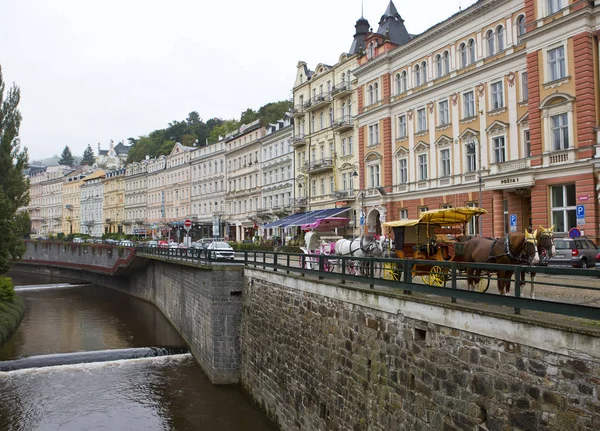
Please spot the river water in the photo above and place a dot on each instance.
(152, 393)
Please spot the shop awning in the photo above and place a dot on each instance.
(307, 217)
(327, 223)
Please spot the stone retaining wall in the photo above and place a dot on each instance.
(327, 357)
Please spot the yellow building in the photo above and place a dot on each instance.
(114, 201)
(71, 215)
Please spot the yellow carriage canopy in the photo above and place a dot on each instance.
(442, 217)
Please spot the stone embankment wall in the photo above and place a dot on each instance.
(327, 357)
(203, 303)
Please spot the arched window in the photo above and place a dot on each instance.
(404, 81)
(343, 78)
(446, 62)
(424, 72)
(462, 50)
(343, 110)
(398, 83)
(418, 75)
(471, 51)
(371, 50)
(489, 37)
(439, 67)
(500, 35)
(521, 25)
(376, 91)
(371, 100)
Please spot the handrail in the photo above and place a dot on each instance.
(345, 270)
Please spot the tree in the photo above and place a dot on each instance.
(66, 158)
(14, 188)
(88, 156)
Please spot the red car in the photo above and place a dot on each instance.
(163, 244)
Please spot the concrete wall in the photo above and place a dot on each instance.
(327, 357)
(202, 303)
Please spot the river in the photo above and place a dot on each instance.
(167, 392)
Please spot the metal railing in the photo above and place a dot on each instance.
(444, 279)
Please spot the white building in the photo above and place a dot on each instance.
(136, 190)
(92, 204)
(114, 157)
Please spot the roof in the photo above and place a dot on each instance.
(443, 217)
(392, 22)
(121, 148)
(94, 175)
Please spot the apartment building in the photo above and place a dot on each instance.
(36, 199)
(71, 214)
(494, 107)
(243, 180)
(156, 212)
(136, 190)
(114, 200)
(208, 187)
(277, 167)
(177, 187)
(92, 204)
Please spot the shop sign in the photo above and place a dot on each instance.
(584, 198)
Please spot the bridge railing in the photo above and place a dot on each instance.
(564, 291)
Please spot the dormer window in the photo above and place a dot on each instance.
(371, 50)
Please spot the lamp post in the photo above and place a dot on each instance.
(362, 203)
(474, 142)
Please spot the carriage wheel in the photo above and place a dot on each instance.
(436, 277)
(391, 271)
(484, 282)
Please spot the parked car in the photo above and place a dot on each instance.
(163, 244)
(576, 252)
(173, 244)
(126, 243)
(78, 240)
(220, 250)
(152, 244)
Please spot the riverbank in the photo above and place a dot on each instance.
(11, 313)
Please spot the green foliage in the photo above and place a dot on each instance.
(66, 158)
(14, 189)
(88, 156)
(11, 313)
(271, 112)
(7, 289)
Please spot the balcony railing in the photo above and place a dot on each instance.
(344, 123)
(300, 202)
(318, 101)
(347, 195)
(341, 89)
(298, 110)
(318, 165)
(298, 140)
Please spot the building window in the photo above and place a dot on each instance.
(497, 95)
(445, 162)
(417, 75)
(560, 132)
(525, 86)
(350, 149)
(471, 158)
(471, 51)
(469, 104)
(422, 166)
(402, 126)
(370, 93)
(489, 38)
(439, 65)
(374, 176)
(556, 63)
(564, 205)
(424, 72)
(500, 36)
(462, 52)
(421, 120)
(402, 171)
(443, 113)
(314, 187)
(423, 209)
(374, 134)
(499, 146)
(403, 81)
(398, 84)
(376, 91)
(322, 121)
(473, 225)
(553, 6)
(322, 186)
(446, 62)
(526, 144)
(404, 214)
(521, 25)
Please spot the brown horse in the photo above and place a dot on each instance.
(546, 250)
(515, 248)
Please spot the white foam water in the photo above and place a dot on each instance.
(47, 286)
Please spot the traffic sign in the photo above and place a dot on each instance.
(513, 222)
(580, 211)
(187, 224)
(574, 233)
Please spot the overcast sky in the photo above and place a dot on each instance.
(90, 71)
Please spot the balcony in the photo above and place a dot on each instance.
(346, 195)
(343, 124)
(300, 202)
(298, 140)
(298, 111)
(319, 101)
(341, 90)
(317, 166)
(108, 220)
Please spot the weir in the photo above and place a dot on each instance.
(88, 357)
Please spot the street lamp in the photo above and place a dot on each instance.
(362, 204)
(474, 142)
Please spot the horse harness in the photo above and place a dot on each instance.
(520, 258)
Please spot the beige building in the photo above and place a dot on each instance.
(136, 190)
(156, 213)
(208, 180)
(92, 204)
(71, 215)
(48, 199)
(114, 201)
(243, 181)
(177, 184)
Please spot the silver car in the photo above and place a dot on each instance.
(220, 250)
(576, 252)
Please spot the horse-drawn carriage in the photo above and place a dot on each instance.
(437, 235)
